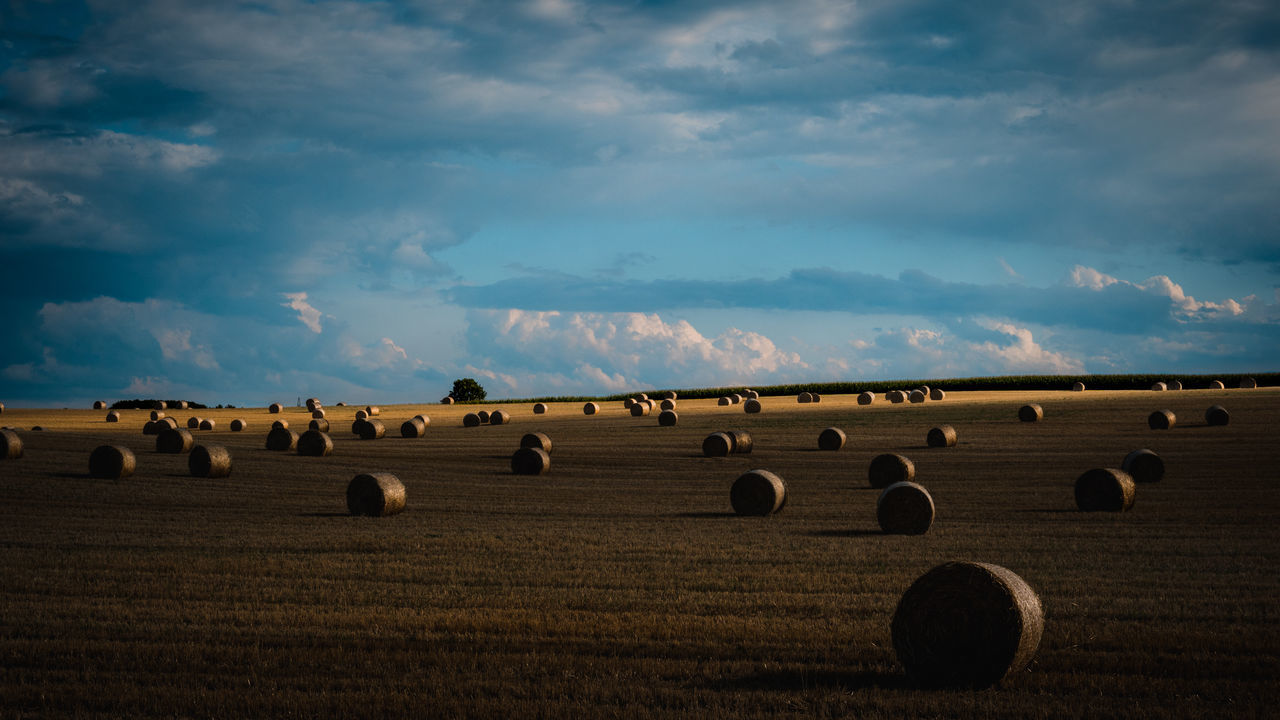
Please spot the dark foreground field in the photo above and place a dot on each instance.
(620, 585)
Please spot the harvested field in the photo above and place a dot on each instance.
(618, 585)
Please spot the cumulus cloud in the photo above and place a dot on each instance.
(307, 314)
(1183, 305)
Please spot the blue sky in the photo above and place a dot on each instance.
(361, 201)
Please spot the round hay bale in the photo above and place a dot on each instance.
(318, 413)
(282, 439)
(208, 424)
(446, 400)
(10, 445)
(1217, 415)
(917, 396)
(1078, 387)
(319, 425)
(372, 429)
(641, 397)
(758, 492)
(537, 440)
(315, 443)
(668, 418)
(905, 508)
(484, 416)
(667, 404)
(112, 462)
(539, 408)
(1216, 385)
(151, 428)
(937, 394)
(175, 441)
(1144, 466)
(717, 444)
(238, 425)
(889, 468)
(1104, 489)
(1248, 383)
(159, 405)
(311, 404)
(426, 421)
(943, 436)
(209, 461)
(530, 461)
(896, 396)
(275, 408)
(468, 420)
(736, 399)
(166, 422)
(1162, 420)
(742, 442)
(966, 625)
(670, 395)
(99, 404)
(373, 410)
(640, 409)
(752, 395)
(1159, 387)
(1175, 384)
(751, 406)
(866, 398)
(831, 438)
(113, 416)
(499, 417)
(341, 404)
(804, 397)
(1, 408)
(375, 495)
(412, 428)
(156, 415)
(362, 415)
(182, 405)
(1031, 413)
(724, 401)
(924, 389)
(280, 424)
(590, 408)
(628, 403)
(193, 423)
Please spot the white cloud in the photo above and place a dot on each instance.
(1186, 307)
(307, 314)
(381, 355)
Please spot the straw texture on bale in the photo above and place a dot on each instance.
(484, 416)
(237, 425)
(1105, 489)
(209, 461)
(10, 445)
(752, 406)
(537, 440)
(159, 405)
(640, 397)
(628, 403)
(889, 468)
(156, 414)
(1217, 415)
(752, 395)
(724, 401)
(1216, 385)
(361, 415)
(446, 400)
(942, 436)
(530, 461)
(371, 429)
(866, 398)
(966, 625)
(831, 438)
(182, 405)
(321, 424)
(412, 428)
(208, 424)
(282, 439)
(668, 418)
(717, 444)
(804, 397)
(758, 492)
(1031, 413)
(896, 396)
(670, 395)
(816, 397)
(312, 404)
(590, 408)
(736, 399)
(937, 394)
(375, 495)
(318, 413)
(1162, 420)
(1078, 387)
(539, 408)
(905, 508)
(280, 424)
(315, 443)
(426, 421)
(640, 409)
(1144, 466)
(175, 441)
(166, 422)
(373, 410)
(193, 423)
(112, 462)
(113, 416)
(667, 404)
(275, 408)
(742, 442)
(917, 396)
(99, 405)
(1159, 387)
(1248, 383)
(499, 417)
(470, 420)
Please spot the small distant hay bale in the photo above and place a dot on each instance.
(724, 401)
(1031, 413)
(113, 416)
(99, 405)
(1248, 383)
(937, 394)
(538, 440)
(499, 417)
(275, 408)
(1217, 415)
(1144, 466)
(471, 420)
(175, 441)
(742, 442)
(484, 416)
(966, 625)
(1105, 490)
(590, 408)
(667, 404)
(151, 428)
(1162, 420)
(669, 395)
(758, 493)
(340, 404)
(1175, 384)
(752, 406)
(280, 424)
(924, 389)
(943, 436)
(1078, 387)
(426, 421)
(319, 424)
(372, 429)
(668, 418)
(539, 408)
(530, 461)
(831, 438)
(628, 403)
(1159, 387)
(640, 409)
(816, 397)
(735, 398)
(905, 508)
(10, 445)
(166, 422)
(641, 397)
(804, 397)
(209, 461)
(717, 444)
(361, 415)
(889, 468)
(753, 395)
(312, 404)
(866, 398)
(412, 428)
(193, 423)
(112, 462)
(375, 495)
(315, 443)
(157, 414)
(446, 400)
(282, 439)
(917, 396)
(238, 425)
(159, 405)
(318, 413)
(208, 424)
(1216, 385)
(373, 410)
(896, 396)
(182, 405)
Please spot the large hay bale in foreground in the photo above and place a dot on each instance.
(112, 462)
(943, 436)
(905, 508)
(831, 438)
(590, 408)
(937, 394)
(917, 396)
(375, 495)
(113, 416)
(742, 442)
(668, 418)
(321, 425)
(966, 625)
(717, 444)
(1078, 387)
(315, 443)
(209, 461)
(1159, 387)
(537, 440)
(275, 408)
(1248, 383)
(282, 439)
(1162, 420)
(752, 406)
(1217, 415)
(371, 429)
(889, 468)
(804, 397)
(499, 417)
(10, 445)
(471, 420)
(238, 425)
(640, 409)
(1031, 413)
(1104, 489)
(99, 404)
(175, 441)
(208, 424)
(1144, 466)
(484, 416)
(530, 461)
(412, 428)
(539, 408)
(866, 398)
(758, 492)
(1216, 385)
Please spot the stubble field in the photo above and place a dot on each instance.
(620, 584)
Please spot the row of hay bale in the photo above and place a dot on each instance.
(484, 417)
(1215, 415)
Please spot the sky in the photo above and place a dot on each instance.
(361, 201)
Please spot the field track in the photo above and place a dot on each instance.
(620, 584)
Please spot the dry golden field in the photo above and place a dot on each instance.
(620, 584)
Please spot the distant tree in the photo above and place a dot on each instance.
(467, 390)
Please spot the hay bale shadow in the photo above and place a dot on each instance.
(799, 680)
